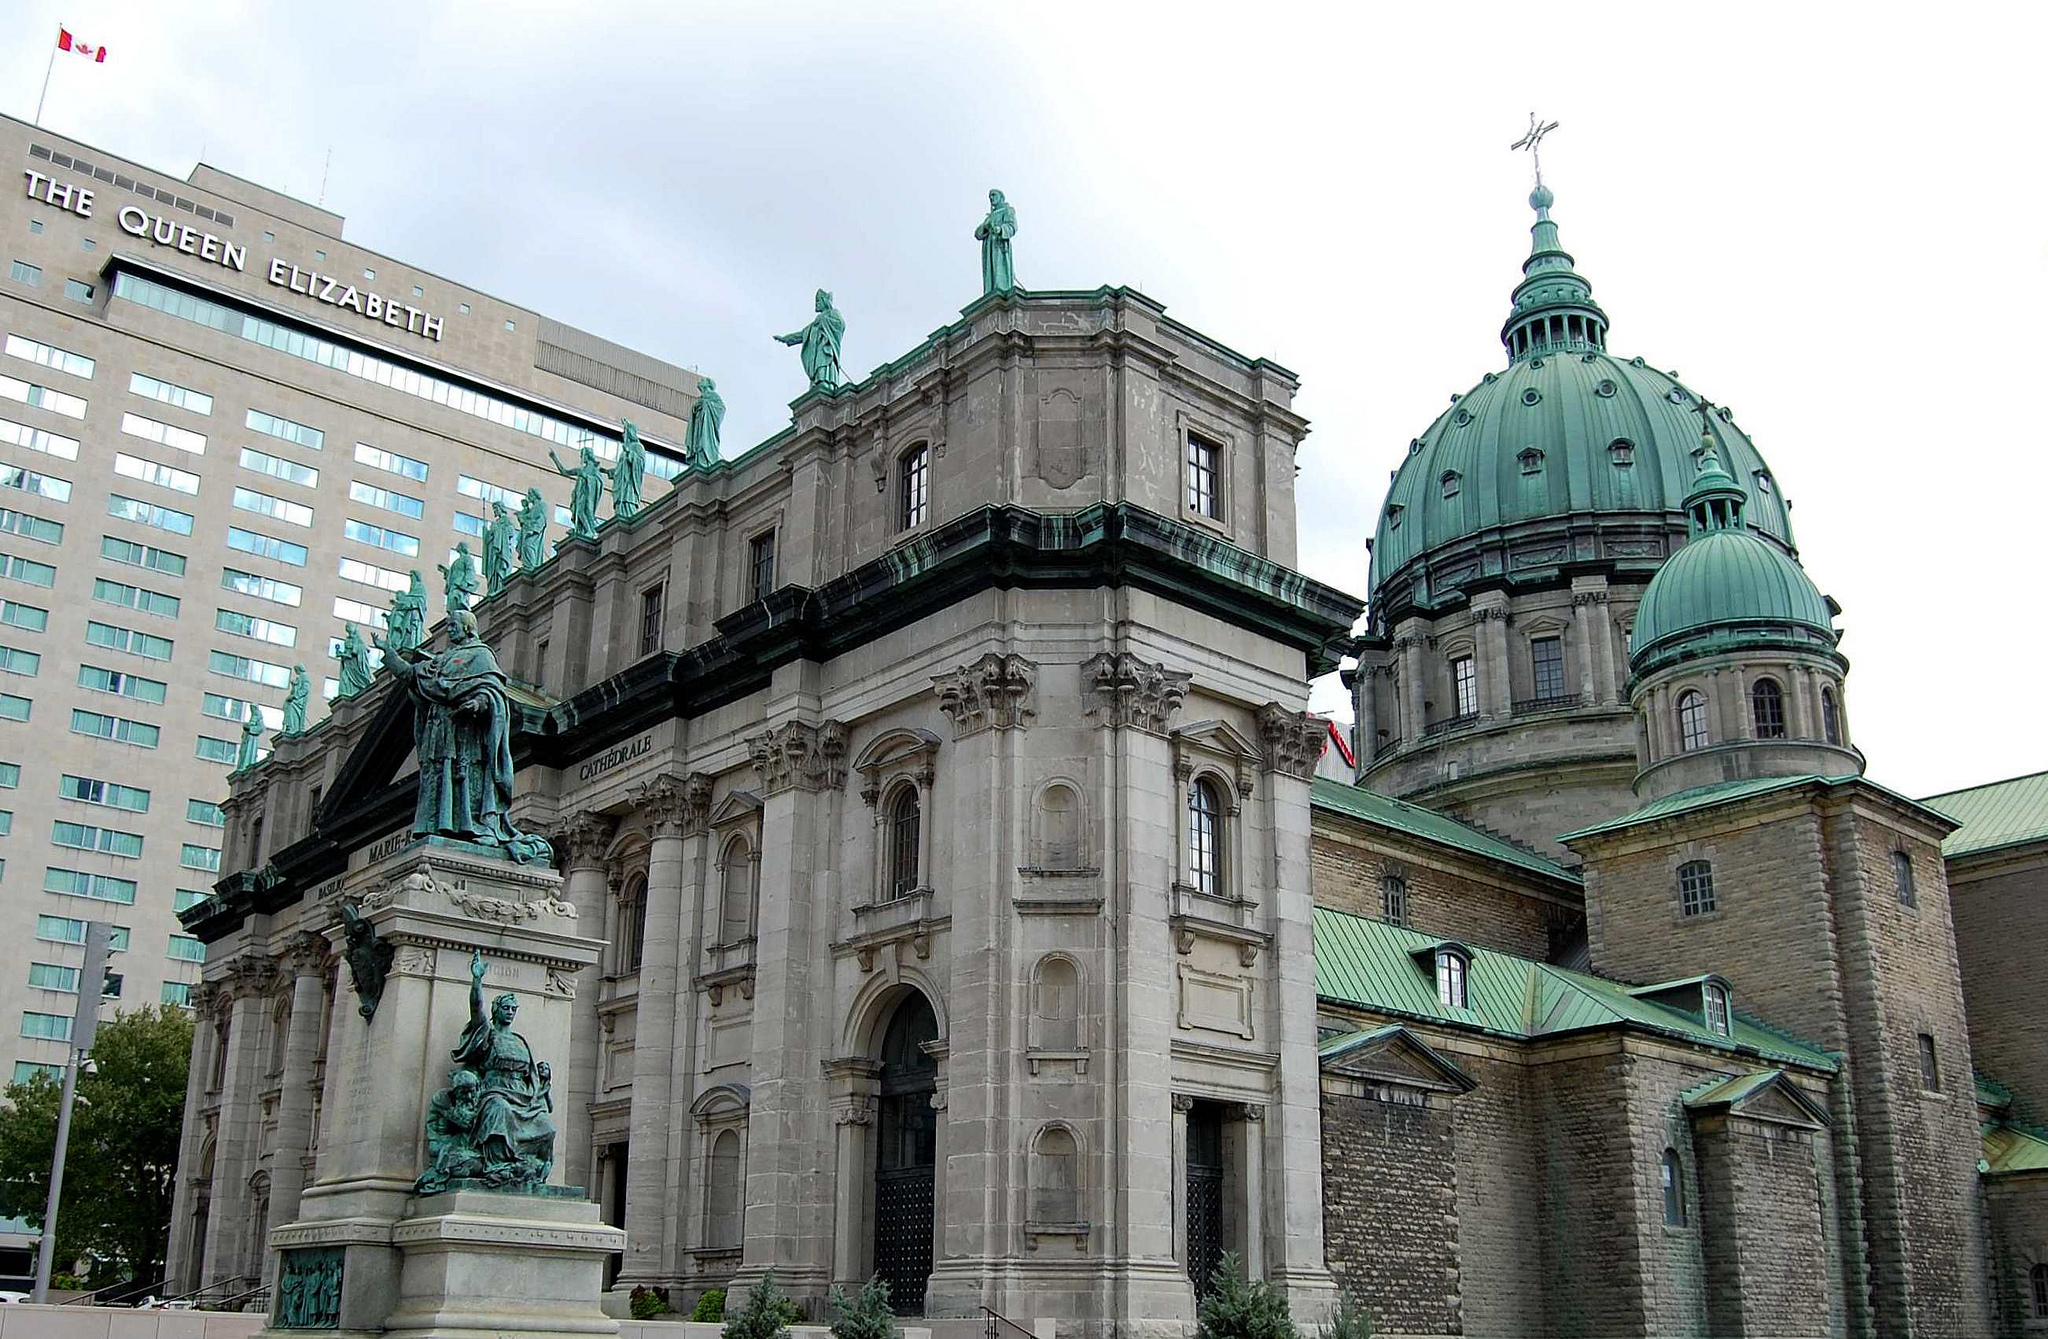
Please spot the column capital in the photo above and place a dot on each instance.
(1293, 739)
(1183, 1102)
(306, 954)
(584, 839)
(248, 975)
(1125, 691)
(674, 806)
(993, 692)
(798, 755)
(206, 1000)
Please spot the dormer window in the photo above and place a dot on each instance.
(1394, 516)
(1715, 999)
(1622, 452)
(1532, 460)
(1450, 482)
(1763, 483)
(1451, 967)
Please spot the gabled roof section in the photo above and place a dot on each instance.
(2013, 1148)
(2003, 813)
(1392, 1054)
(1704, 797)
(1427, 825)
(1365, 963)
(1767, 1094)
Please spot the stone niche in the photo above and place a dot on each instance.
(367, 1254)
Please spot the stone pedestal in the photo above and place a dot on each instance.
(434, 902)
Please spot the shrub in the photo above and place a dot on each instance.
(646, 1303)
(867, 1315)
(767, 1315)
(1241, 1308)
(1347, 1320)
(710, 1307)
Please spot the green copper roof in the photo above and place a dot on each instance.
(1367, 964)
(1415, 821)
(1724, 590)
(1550, 287)
(1702, 797)
(2003, 813)
(2013, 1148)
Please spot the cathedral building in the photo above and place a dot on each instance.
(979, 907)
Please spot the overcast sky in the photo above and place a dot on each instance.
(1828, 219)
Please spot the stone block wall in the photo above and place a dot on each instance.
(1762, 1227)
(1499, 1200)
(1390, 1204)
(2000, 907)
(2016, 1212)
(1465, 903)
(1588, 1220)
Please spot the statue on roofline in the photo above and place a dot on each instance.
(819, 343)
(629, 471)
(500, 549)
(458, 579)
(406, 625)
(533, 530)
(700, 448)
(355, 662)
(296, 696)
(252, 731)
(998, 267)
(586, 492)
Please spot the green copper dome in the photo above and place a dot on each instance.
(1728, 588)
(1570, 455)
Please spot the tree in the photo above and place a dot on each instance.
(866, 1315)
(123, 1157)
(1242, 1308)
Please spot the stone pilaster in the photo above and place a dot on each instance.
(1365, 733)
(186, 1251)
(308, 961)
(1496, 684)
(230, 1230)
(1595, 616)
(1293, 740)
(584, 842)
(1414, 681)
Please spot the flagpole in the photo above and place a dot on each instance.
(46, 79)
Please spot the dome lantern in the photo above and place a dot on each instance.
(1553, 309)
(1715, 501)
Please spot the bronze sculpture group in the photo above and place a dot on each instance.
(494, 1122)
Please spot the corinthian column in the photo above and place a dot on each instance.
(306, 959)
(585, 839)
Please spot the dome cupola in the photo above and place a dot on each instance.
(1553, 309)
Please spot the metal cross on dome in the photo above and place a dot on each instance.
(1533, 142)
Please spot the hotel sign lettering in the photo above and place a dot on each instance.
(339, 293)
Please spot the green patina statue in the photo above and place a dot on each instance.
(533, 530)
(500, 549)
(368, 957)
(494, 1122)
(998, 268)
(628, 472)
(819, 342)
(355, 663)
(406, 627)
(252, 732)
(700, 448)
(587, 492)
(462, 734)
(296, 696)
(309, 1289)
(458, 579)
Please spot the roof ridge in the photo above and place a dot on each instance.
(1983, 785)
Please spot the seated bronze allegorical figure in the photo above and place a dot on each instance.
(494, 1122)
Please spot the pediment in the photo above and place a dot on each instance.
(741, 806)
(1218, 736)
(893, 746)
(1767, 1095)
(1394, 1055)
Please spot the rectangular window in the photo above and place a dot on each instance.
(149, 388)
(206, 812)
(10, 775)
(263, 504)
(99, 887)
(262, 588)
(25, 569)
(1715, 1009)
(147, 513)
(242, 667)
(127, 639)
(1930, 1065)
(277, 467)
(46, 1027)
(124, 685)
(210, 749)
(117, 728)
(41, 397)
(24, 616)
(184, 948)
(376, 660)
(35, 439)
(371, 575)
(405, 467)
(1695, 888)
(118, 550)
(42, 485)
(14, 707)
(761, 564)
(176, 992)
(297, 433)
(263, 546)
(234, 709)
(355, 611)
(1546, 660)
(14, 660)
(1465, 686)
(1203, 459)
(24, 273)
(371, 495)
(31, 527)
(239, 624)
(53, 976)
(49, 355)
(469, 525)
(85, 837)
(650, 619)
(6, 822)
(199, 857)
(164, 434)
(394, 540)
(112, 794)
(134, 597)
(149, 472)
(67, 930)
(188, 897)
(913, 489)
(484, 491)
(78, 290)
(27, 1071)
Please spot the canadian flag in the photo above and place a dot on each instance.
(66, 42)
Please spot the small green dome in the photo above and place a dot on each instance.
(1725, 590)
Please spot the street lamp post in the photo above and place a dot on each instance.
(85, 1024)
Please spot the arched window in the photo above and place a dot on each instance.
(1715, 1003)
(1059, 827)
(1205, 838)
(1767, 709)
(1450, 978)
(1692, 721)
(903, 825)
(913, 488)
(1902, 874)
(722, 1218)
(1830, 717)
(1695, 888)
(632, 925)
(1056, 1177)
(1465, 685)
(736, 892)
(1673, 1177)
(1056, 1006)
(1393, 899)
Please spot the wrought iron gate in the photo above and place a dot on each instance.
(908, 1147)
(1205, 1195)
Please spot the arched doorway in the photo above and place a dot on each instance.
(907, 1133)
